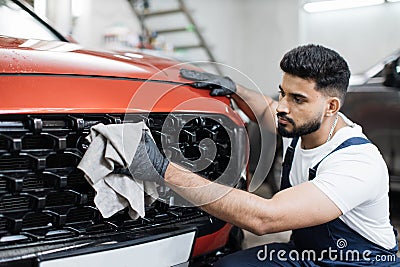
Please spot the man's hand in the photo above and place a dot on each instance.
(148, 163)
(219, 86)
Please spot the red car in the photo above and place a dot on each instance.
(52, 92)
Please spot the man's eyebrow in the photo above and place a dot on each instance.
(293, 94)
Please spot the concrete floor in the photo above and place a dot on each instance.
(251, 240)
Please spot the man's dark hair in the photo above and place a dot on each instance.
(322, 65)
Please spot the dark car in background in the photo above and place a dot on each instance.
(373, 101)
(52, 93)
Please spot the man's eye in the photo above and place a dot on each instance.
(298, 100)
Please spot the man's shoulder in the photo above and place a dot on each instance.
(354, 153)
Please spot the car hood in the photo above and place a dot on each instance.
(61, 77)
(55, 57)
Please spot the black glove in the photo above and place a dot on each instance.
(148, 163)
(219, 85)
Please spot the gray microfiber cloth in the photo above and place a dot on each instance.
(114, 146)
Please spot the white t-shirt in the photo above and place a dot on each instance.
(355, 178)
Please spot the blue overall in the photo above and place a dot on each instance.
(329, 244)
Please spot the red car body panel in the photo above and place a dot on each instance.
(32, 94)
(35, 56)
(209, 243)
(87, 87)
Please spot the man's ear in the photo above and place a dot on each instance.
(333, 106)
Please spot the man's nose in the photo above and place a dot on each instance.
(282, 106)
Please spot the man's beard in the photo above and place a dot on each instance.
(307, 128)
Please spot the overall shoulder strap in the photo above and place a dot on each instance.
(287, 163)
(312, 172)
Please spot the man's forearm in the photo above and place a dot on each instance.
(286, 210)
(258, 107)
(226, 203)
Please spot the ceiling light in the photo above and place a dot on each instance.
(392, 1)
(339, 4)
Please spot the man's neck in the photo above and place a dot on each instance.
(320, 136)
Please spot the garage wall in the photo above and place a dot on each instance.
(363, 35)
(251, 36)
(101, 16)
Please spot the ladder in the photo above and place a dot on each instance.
(186, 27)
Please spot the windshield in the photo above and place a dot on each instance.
(16, 22)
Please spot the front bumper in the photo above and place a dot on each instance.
(135, 248)
(46, 204)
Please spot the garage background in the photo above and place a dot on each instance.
(250, 35)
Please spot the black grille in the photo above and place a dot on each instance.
(42, 193)
(14, 203)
